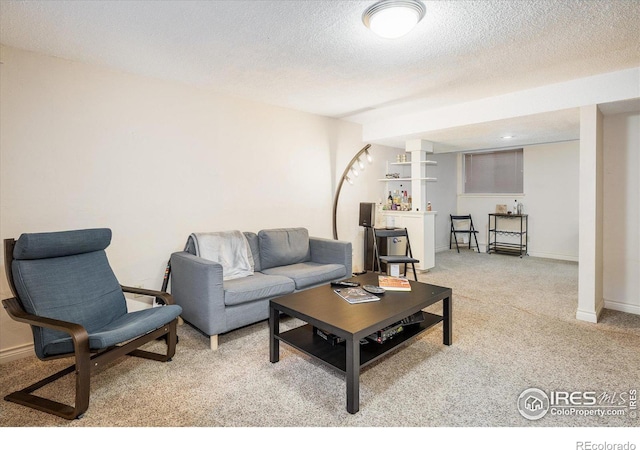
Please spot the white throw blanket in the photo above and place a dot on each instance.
(230, 249)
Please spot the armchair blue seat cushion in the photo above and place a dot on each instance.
(122, 329)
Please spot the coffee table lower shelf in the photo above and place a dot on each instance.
(303, 339)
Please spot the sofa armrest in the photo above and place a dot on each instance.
(196, 285)
(329, 251)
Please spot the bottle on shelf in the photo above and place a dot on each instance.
(515, 207)
(389, 201)
(428, 206)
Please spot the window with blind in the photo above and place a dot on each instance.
(496, 172)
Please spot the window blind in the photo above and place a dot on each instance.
(495, 172)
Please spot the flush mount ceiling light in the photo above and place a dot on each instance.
(393, 18)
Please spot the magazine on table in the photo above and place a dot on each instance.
(356, 295)
(393, 283)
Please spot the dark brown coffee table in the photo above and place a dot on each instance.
(321, 307)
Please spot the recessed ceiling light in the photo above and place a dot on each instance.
(507, 137)
(393, 18)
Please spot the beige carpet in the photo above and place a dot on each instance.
(514, 328)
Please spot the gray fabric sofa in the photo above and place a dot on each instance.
(286, 260)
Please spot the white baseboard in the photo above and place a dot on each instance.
(557, 256)
(623, 307)
(590, 316)
(587, 316)
(554, 256)
(19, 352)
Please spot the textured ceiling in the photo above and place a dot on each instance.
(316, 56)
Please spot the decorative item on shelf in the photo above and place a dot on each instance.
(501, 209)
(392, 175)
(515, 207)
(400, 200)
(428, 206)
(520, 208)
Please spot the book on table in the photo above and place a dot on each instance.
(356, 295)
(390, 283)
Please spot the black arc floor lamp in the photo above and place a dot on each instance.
(352, 167)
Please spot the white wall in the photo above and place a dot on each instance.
(82, 146)
(621, 250)
(551, 173)
(442, 195)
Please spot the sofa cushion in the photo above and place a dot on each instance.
(283, 246)
(256, 287)
(307, 274)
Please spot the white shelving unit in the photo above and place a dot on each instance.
(417, 178)
(408, 164)
(419, 222)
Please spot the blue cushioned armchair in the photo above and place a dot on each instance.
(65, 289)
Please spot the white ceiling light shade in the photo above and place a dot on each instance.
(393, 18)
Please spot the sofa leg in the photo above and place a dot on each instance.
(214, 342)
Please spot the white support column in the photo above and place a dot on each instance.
(590, 292)
(419, 149)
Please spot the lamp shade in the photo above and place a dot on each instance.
(393, 18)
